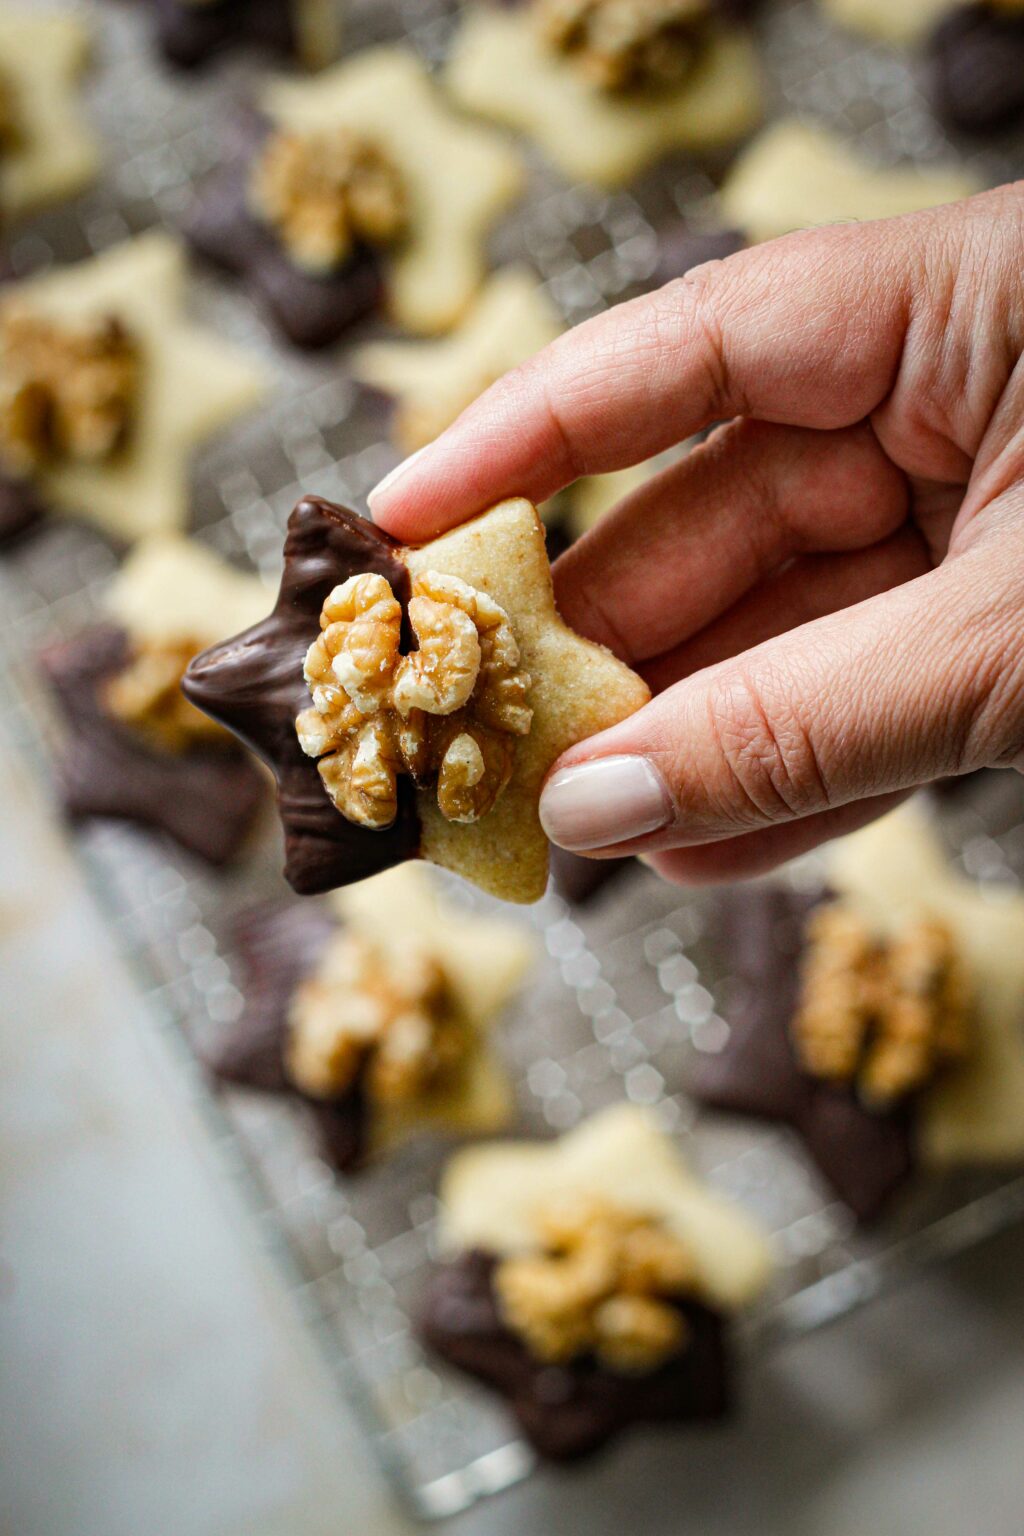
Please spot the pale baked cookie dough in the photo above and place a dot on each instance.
(794, 175)
(485, 961)
(577, 689)
(900, 23)
(432, 383)
(383, 752)
(491, 1198)
(190, 385)
(378, 1010)
(500, 68)
(459, 177)
(896, 870)
(54, 152)
(171, 590)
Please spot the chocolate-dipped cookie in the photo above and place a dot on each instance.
(411, 700)
(106, 389)
(580, 880)
(191, 32)
(589, 1281)
(133, 748)
(865, 1156)
(311, 308)
(882, 1020)
(20, 509)
(375, 1014)
(571, 1408)
(975, 62)
(607, 88)
(356, 191)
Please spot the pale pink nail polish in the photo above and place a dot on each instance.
(606, 801)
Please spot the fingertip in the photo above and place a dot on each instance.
(392, 502)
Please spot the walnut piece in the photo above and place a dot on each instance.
(623, 45)
(67, 392)
(325, 192)
(886, 1016)
(390, 1022)
(146, 695)
(603, 1284)
(445, 714)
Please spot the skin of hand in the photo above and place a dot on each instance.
(827, 596)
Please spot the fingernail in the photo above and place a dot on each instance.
(608, 800)
(392, 479)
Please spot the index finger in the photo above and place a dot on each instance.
(806, 330)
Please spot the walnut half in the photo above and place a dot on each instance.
(390, 1023)
(325, 192)
(67, 392)
(884, 1015)
(624, 45)
(604, 1283)
(447, 713)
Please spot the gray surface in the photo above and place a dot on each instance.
(155, 1379)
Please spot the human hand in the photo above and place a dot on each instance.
(827, 597)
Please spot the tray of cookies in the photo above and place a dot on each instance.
(542, 1159)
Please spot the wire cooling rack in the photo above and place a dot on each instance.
(626, 992)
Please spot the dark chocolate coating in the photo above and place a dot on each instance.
(254, 685)
(681, 248)
(975, 69)
(206, 798)
(579, 880)
(864, 1155)
(279, 945)
(569, 1411)
(20, 509)
(188, 35)
(312, 311)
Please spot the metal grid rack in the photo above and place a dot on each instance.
(625, 992)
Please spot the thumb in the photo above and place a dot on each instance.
(920, 682)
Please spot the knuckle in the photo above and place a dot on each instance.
(770, 768)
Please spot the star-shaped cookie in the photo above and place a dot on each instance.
(459, 177)
(191, 384)
(189, 32)
(484, 962)
(432, 382)
(794, 175)
(52, 153)
(500, 68)
(971, 1114)
(498, 567)
(170, 598)
(493, 1204)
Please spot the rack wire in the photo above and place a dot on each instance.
(626, 991)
